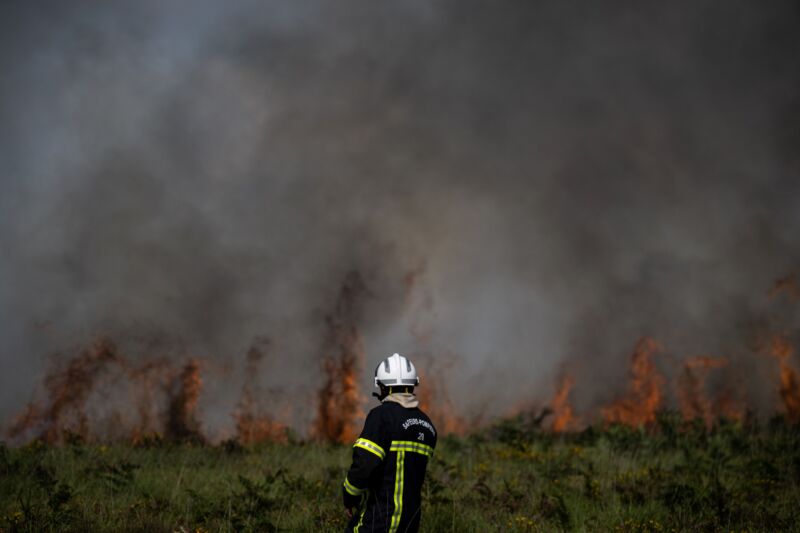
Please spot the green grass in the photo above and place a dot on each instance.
(511, 477)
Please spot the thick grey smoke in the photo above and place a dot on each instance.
(564, 177)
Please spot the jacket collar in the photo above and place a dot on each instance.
(406, 399)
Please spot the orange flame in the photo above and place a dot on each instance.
(252, 426)
(68, 387)
(563, 416)
(435, 399)
(339, 402)
(692, 396)
(640, 405)
(730, 405)
(181, 417)
(149, 379)
(789, 387)
(68, 391)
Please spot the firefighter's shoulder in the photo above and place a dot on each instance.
(377, 420)
(379, 411)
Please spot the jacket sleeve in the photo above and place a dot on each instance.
(368, 454)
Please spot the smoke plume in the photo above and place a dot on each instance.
(523, 190)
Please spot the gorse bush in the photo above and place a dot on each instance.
(673, 476)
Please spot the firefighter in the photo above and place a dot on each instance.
(382, 488)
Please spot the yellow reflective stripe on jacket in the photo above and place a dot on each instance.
(370, 447)
(361, 518)
(411, 446)
(399, 480)
(352, 489)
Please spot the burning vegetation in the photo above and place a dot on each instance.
(182, 421)
(434, 398)
(339, 403)
(789, 387)
(161, 396)
(253, 424)
(692, 395)
(645, 397)
(165, 396)
(563, 414)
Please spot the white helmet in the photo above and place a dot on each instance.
(396, 371)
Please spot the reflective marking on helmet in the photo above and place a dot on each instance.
(370, 447)
(411, 446)
(352, 489)
(409, 382)
(408, 366)
(386, 365)
(399, 480)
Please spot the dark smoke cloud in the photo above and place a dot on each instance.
(568, 176)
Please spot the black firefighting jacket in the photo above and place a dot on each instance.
(389, 461)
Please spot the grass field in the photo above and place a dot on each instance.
(511, 477)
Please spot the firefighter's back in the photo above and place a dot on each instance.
(411, 439)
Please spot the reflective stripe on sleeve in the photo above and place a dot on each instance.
(370, 447)
(411, 446)
(352, 489)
